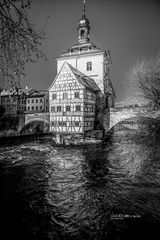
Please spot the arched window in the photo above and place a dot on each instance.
(82, 33)
(89, 66)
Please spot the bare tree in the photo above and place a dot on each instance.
(19, 42)
(146, 76)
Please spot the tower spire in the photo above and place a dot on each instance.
(84, 8)
(83, 27)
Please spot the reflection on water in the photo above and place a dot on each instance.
(108, 191)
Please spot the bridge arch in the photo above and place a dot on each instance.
(122, 114)
(32, 126)
(35, 118)
(119, 115)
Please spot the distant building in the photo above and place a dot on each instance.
(14, 101)
(37, 102)
(72, 101)
(82, 89)
(9, 100)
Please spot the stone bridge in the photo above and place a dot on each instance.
(118, 115)
(41, 117)
(34, 117)
(115, 116)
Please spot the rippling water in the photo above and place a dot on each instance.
(109, 191)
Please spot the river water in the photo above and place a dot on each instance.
(104, 191)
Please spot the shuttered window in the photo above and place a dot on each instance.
(54, 96)
(68, 108)
(76, 94)
(53, 109)
(76, 124)
(65, 95)
(78, 108)
(58, 108)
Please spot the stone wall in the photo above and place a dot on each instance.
(44, 117)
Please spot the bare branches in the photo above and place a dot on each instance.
(19, 42)
(146, 74)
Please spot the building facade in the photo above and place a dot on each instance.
(82, 89)
(14, 101)
(18, 101)
(9, 100)
(72, 99)
(37, 102)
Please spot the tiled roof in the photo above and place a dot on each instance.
(36, 94)
(84, 79)
(27, 90)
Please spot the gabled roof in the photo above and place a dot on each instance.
(84, 79)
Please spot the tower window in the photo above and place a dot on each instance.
(82, 33)
(89, 66)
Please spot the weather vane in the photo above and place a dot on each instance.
(84, 7)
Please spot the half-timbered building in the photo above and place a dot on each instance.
(72, 99)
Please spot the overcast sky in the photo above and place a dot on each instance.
(130, 29)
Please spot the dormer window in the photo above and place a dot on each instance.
(89, 66)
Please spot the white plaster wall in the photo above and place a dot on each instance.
(97, 71)
(35, 104)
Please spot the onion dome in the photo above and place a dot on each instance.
(83, 28)
(84, 22)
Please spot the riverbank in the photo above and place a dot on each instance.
(15, 140)
(74, 140)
